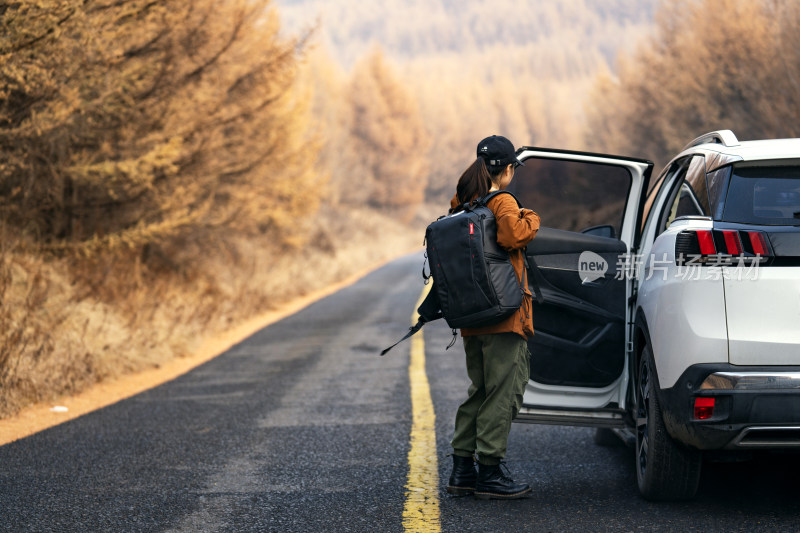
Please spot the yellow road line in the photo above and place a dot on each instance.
(421, 510)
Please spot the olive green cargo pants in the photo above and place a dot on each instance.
(498, 366)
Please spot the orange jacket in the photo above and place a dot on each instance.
(515, 229)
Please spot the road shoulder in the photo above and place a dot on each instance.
(41, 416)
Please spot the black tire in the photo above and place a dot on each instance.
(665, 470)
(606, 438)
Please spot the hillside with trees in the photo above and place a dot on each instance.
(479, 68)
(411, 30)
(728, 64)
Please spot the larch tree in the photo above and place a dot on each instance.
(388, 142)
(332, 121)
(128, 124)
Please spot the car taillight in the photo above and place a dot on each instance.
(703, 408)
(758, 242)
(706, 242)
(733, 243)
(725, 246)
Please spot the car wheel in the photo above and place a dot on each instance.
(665, 470)
(606, 438)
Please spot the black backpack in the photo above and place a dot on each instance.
(474, 283)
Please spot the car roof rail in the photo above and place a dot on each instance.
(723, 137)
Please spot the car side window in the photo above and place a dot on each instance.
(697, 189)
(717, 188)
(689, 196)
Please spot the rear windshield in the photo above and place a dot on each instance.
(764, 195)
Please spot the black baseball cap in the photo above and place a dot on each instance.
(498, 151)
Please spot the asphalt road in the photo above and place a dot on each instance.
(304, 428)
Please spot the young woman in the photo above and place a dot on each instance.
(497, 354)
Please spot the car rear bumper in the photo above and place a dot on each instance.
(754, 407)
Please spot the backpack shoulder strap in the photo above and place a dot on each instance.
(485, 199)
(528, 261)
(533, 278)
(411, 331)
(429, 310)
(482, 201)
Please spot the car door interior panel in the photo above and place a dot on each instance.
(579, 328)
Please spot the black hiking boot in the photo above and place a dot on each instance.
(492, 483)
(463, 478)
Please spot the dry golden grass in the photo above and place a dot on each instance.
(65, 326)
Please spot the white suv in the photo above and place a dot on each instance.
(669, 317)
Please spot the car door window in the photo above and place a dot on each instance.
(574, 196)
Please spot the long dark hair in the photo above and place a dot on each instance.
(476, 181)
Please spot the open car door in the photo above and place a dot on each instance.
(591, 208)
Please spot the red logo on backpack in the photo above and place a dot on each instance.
(471, 229)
